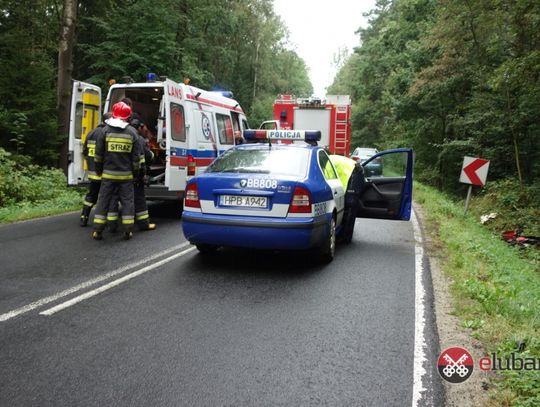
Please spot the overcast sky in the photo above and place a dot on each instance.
(319, 28)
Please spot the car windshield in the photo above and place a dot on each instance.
(291, 161)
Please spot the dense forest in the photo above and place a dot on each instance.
(239, 45)
(450, 78)
(446, 77)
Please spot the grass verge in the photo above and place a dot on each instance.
(66, 201)
(496, 291)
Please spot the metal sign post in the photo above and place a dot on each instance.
(468, 199)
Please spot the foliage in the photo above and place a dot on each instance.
(516, 208)
(450, 78)
(236, 45)
(239, 45)
(496, 291)
(24, 185)
(28, 48)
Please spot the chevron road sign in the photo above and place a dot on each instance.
(474, 171)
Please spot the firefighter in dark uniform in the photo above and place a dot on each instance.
(89, 149)
(142, 218)
(119, 160)
(351, 175)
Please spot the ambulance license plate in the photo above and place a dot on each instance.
(243, 201)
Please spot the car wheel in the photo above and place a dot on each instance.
(206, 248)
(328, 249)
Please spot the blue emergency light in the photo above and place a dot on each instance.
(269, 135)
(151, 77)
(224, 93)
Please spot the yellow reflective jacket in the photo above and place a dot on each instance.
(344, 167)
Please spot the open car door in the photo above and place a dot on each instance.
(387, 193)
(85, 115)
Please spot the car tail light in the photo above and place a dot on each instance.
(191, 165)
(300, 201)
(355, 158)
(192, 196)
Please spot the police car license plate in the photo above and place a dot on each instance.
(243, 201)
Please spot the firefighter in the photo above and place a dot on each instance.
(89, 148)
(119, 160)
(351, 175)
(142, 218)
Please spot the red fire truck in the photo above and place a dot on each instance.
(331, 116)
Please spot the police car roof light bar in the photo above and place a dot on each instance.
(301, 135)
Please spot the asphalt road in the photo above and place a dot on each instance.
(242, 328)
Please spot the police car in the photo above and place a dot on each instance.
(285, 196)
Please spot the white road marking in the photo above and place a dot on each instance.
(112, 284)
(86, 284)
(419, 317)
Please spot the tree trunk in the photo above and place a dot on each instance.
(65, 68)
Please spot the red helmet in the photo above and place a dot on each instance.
(121, 111)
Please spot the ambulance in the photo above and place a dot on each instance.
(187, 128)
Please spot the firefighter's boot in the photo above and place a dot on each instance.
(97, 235)
(146, 225)
(85, 214)
(128, 234)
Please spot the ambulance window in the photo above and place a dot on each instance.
(245, 124)
(236, 121)
(178, 124)
(225, 129)
(79, 110)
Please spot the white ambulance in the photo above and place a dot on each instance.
(188, 127)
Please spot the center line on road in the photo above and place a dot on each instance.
(112, 284)
(86, 284)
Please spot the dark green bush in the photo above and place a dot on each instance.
(22, 182)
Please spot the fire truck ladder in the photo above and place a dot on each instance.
(340, 130)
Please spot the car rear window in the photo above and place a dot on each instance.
(293, 161)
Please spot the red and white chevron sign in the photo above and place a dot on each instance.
(474, 171)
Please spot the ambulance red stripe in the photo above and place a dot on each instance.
(182, 161)
(213, 103)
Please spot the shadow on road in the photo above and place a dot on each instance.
(165, 209)
(276, 265)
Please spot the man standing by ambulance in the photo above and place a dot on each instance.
(119, 160)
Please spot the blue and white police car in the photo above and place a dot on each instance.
(285, 196)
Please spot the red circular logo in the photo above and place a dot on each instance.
(455, 365)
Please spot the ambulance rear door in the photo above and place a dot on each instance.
(175, 136)
(85, 115)
(204, 136)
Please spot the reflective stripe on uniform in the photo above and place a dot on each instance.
(88, 203)
(93, 176)
(117, 176)
(119, 137)
(112, 216)
(142, 215)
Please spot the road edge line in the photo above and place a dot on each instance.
(420, 346)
